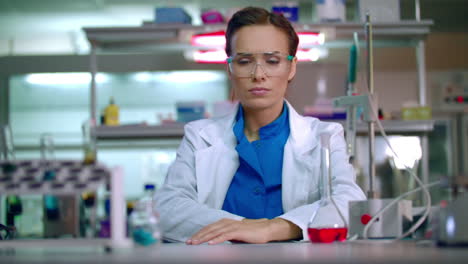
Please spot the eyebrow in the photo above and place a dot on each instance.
(264, 53)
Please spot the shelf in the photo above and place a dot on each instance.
(150, 37)
(175, 130)
(397, 126)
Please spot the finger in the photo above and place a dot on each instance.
(221, 238)
(211, 231)
(206, 230)
(217, 232)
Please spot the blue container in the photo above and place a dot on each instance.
(172, 15)
(190, 111)
(289, 10)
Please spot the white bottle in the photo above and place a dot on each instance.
(330, 10)
(144, 220)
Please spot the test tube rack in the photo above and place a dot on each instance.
(50, 177)
(67, 177)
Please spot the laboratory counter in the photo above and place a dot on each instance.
(299, 252)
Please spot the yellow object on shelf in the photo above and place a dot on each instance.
(416, 113)
(111, 114)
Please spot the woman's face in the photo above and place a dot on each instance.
(265, 88)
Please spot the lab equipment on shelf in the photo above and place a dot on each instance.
(190, 110)
(111, 113)
(331, 10)
(375, 218)
(89, 141)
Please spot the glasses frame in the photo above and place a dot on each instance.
(229, 60)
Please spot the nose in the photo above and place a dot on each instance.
(258, 72)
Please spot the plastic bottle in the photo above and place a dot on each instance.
(111, 113)
(89, 142)
(144, 220)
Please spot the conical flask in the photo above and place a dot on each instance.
(327, 224)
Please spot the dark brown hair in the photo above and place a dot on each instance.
(259, 16)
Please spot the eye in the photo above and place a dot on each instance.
(273, 60)
(243, 60)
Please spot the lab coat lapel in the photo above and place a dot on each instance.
(300, 164)
(216, 164)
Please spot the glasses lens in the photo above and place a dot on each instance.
(244, 65)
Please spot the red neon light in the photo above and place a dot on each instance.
(310, 38)
(212, 39)
(308, 55)
(218, 39)
(460, 99)
(210, 56)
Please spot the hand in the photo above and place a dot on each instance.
(248, 230)
(256, 231)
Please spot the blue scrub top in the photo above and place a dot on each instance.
(255, 190)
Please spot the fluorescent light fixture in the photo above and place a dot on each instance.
(64, 78)
(209, 56)
(189, 76)
(143, 76)
(311, 38)
(212, 39)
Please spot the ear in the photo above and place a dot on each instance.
(292, 72)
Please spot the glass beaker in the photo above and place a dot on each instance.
(47, 147)
(89, 141)
(7, 148)
(327, 224)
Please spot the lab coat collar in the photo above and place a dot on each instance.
(221, 131)
(301, 133)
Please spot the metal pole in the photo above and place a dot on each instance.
(417, 9)
(421, 64)
(92, 95)
(370, 85)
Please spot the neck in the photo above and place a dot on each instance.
(256, 118)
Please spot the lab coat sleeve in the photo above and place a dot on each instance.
(181, 214)
(344, 188)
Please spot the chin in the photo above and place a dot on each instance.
(258, 103)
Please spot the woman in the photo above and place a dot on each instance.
(252, 176)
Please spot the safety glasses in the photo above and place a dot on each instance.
(272, 63)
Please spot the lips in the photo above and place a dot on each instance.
(259, 91)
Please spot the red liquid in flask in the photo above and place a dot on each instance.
(327, 235)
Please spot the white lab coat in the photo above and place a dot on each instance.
(196, 184)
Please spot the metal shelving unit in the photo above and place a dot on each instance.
(151, 37)
(176, 130)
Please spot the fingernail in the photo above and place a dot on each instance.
(188, 241)
(195, 241)
(210, 242)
